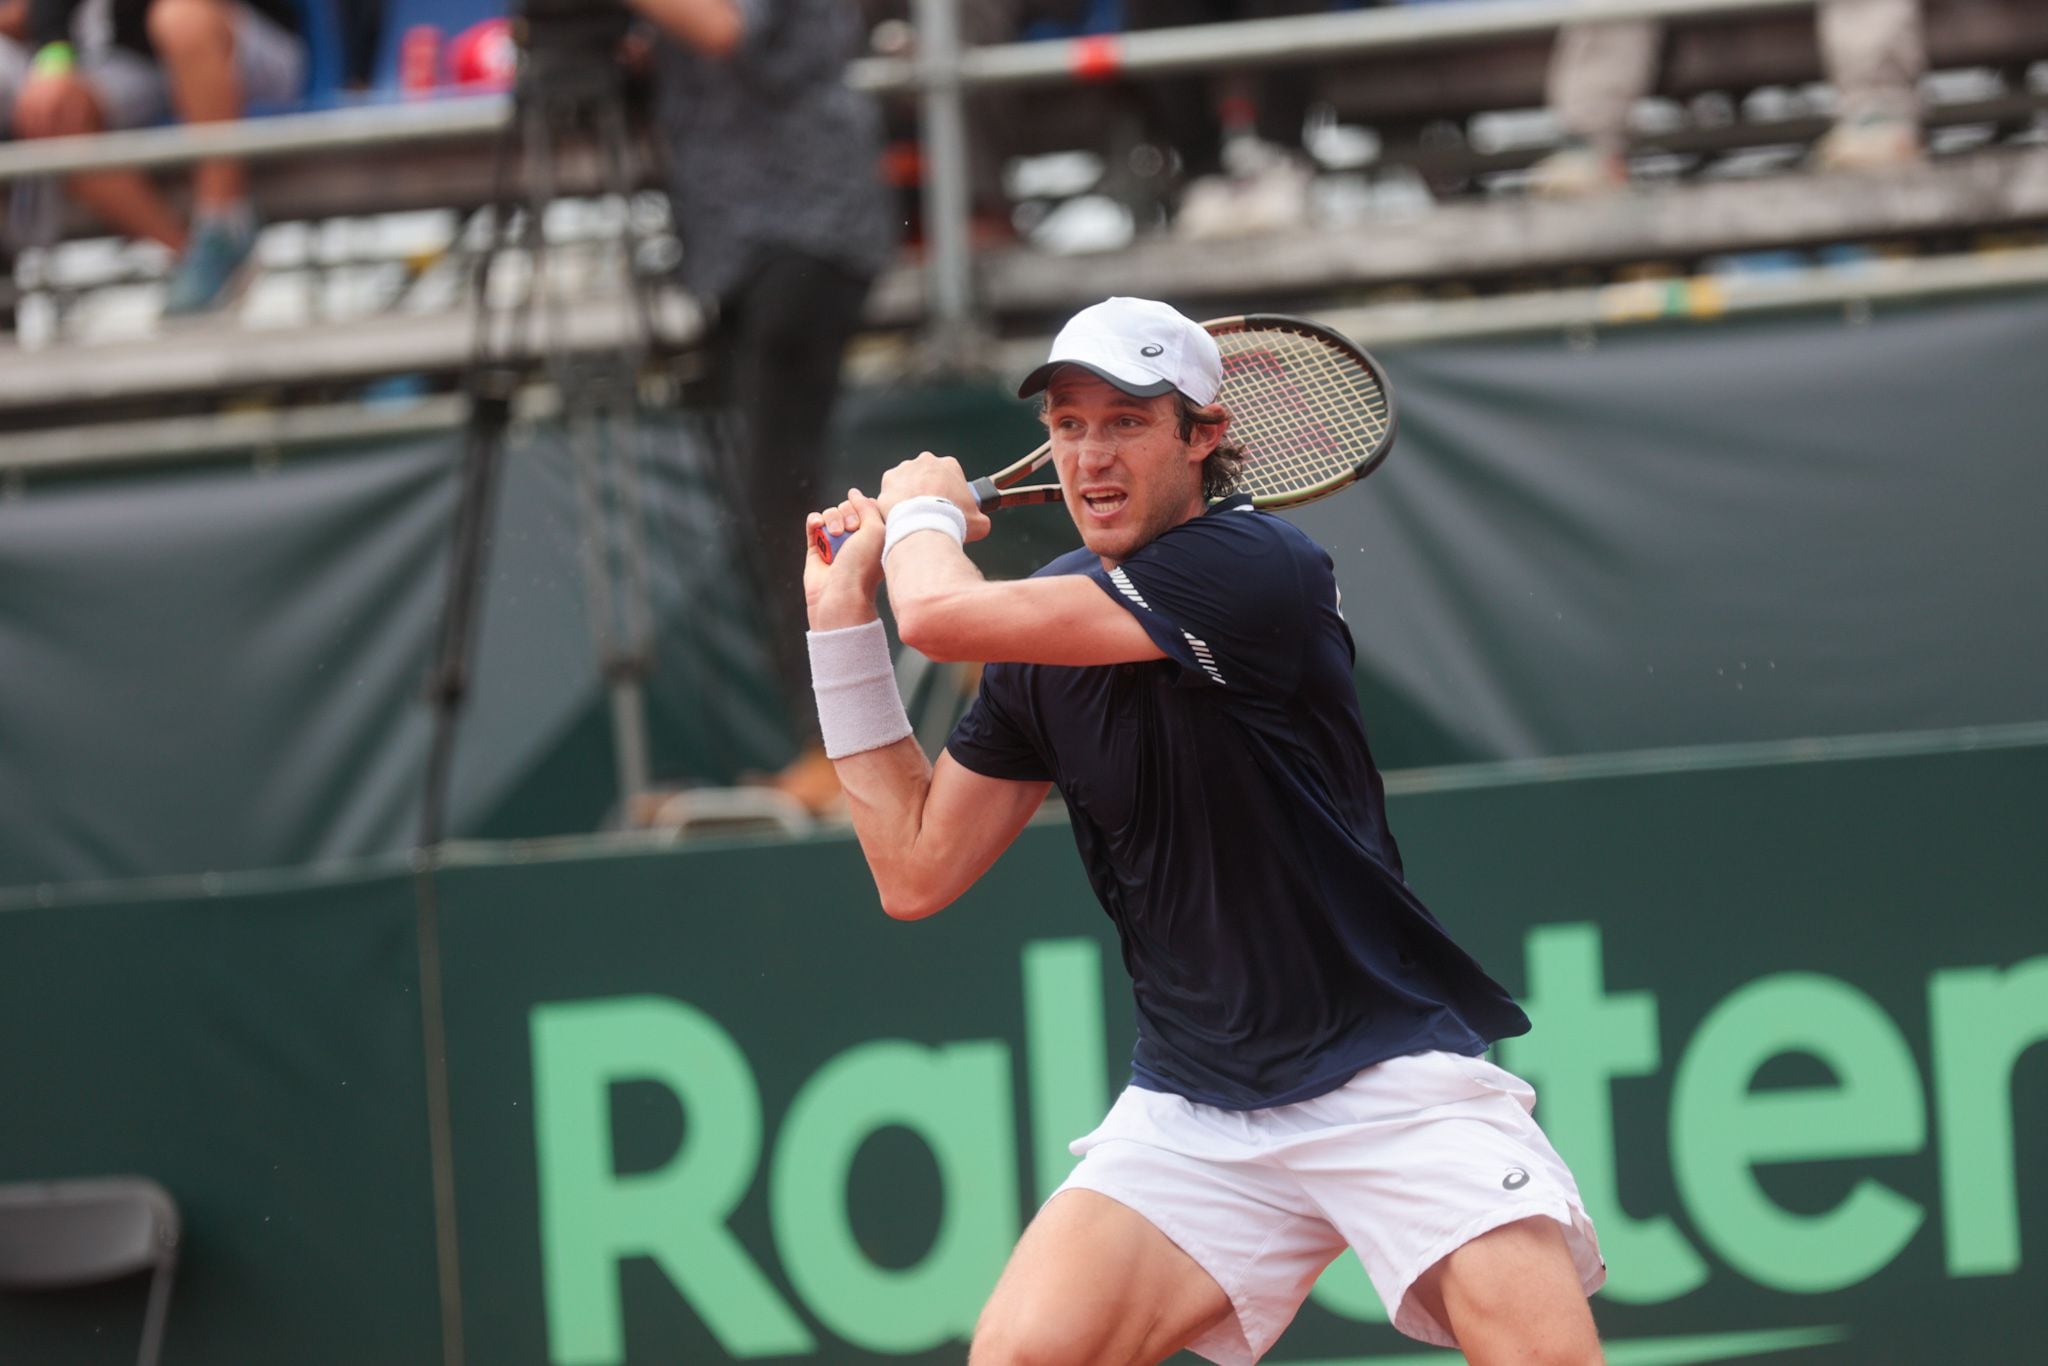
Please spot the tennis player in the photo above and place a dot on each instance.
(1308, 1070)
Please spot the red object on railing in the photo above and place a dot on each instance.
(419, 59)
(1096, 58)
(484, 54)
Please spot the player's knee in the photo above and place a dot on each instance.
(1514, 1294)
(1014, 1335)
(1577, 1352)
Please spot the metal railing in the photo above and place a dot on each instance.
(1860, 294)
(1251, 43)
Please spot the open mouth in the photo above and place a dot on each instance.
(1105, 503)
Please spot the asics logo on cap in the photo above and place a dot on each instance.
(1154, 350)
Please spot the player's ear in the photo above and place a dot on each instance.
(1206, 431)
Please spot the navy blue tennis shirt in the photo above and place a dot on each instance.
(1233, 824)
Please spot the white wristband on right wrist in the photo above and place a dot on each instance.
(926, 512)
(859, 707)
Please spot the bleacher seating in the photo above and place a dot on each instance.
(1419, 101)
(1401, 94)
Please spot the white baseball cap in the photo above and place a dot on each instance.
(1142, 346)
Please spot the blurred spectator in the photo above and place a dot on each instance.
(205, 60)
(361, 31)
(13, 71)
(16, 55)
(13, 58)
(1871, 50)
(773, 166)
(26, 215)
(1257, 181)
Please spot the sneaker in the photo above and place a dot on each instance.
(211, 272)
(1870, 144)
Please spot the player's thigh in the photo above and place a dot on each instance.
(1513, 1294)
(1441, 1149)
(1093, 1281)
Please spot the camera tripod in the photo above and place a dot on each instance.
(570, 85)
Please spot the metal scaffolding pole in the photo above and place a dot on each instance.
(949, 279)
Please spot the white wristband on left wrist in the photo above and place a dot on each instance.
(926, 512)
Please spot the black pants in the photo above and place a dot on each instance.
(1181, 112)
(781, 338)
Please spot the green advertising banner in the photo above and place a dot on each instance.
(720, 1108)
(708, 1104)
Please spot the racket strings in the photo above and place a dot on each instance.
(1306, 412)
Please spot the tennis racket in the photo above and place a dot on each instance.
(1309, 408)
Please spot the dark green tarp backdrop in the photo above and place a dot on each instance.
(1694, 533)
(258, 1053)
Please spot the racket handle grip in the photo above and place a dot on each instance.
(826, 544)
(987, 497)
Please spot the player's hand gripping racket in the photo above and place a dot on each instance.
(1310, 409)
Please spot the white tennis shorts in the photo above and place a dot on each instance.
(1408, 1161)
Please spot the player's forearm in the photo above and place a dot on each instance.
(886, 791)
(931, 831)
(883, 773)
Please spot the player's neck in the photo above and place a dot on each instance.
(1196, 508)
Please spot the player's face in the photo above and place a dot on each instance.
(1126, 472)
